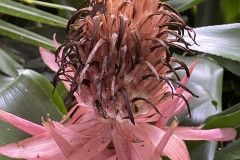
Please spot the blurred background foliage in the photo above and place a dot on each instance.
(25, 81)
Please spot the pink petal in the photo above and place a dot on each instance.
(92, 148)
(218, 134)
(82, 114)
(175, 149)
(66, 139)
(83, 126)
(41, 145)
(145, 149)
(49, 59)
(55, 41)
(123, 128)
(185, 78)
(96, 129)
(59, 156)
(171, 107)
(121, 146)
(140, 149)
(25, 125)
(62, 143)
(165, 138)
(69, 114)
(182, 104)
(107, 154)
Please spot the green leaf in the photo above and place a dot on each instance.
(230, 9)
(16, 9)
(231, 152)
(182, 5)
(4, 80)
(63, 92)
(204, 151)
(50, 5)
(220, 40)
(232, 66)
(24, 35)
(8, 65)
(48, 87)
(227, 118)
(25, 98)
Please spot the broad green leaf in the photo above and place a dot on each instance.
(8, 65)
(4, 80)
(219, 40)
(204, 151)
(48, 87)
(227, 118)
(232, 66)
(63, 92)
(50, 5)
(19, 10)
(230, 9)
(25, 98)
(24, 35)
(231, 152)
(182, 5)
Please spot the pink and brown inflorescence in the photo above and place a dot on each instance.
(120, 54)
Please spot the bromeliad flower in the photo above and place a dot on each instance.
(115, 61)
(120, 56)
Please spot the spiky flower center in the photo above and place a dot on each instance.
(117, 55)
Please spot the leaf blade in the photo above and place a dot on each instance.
(24, 35)
(8, 65)
(219, 40)
(48, 87)
(50, 5)
(19, 10)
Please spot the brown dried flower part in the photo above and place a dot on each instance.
(119, 53)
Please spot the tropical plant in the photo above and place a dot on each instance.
(26, 89)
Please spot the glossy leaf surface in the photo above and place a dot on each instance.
(19, 10)
(8, 65)
(219, 40)
(20, 34)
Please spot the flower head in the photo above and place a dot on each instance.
(120, 56)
